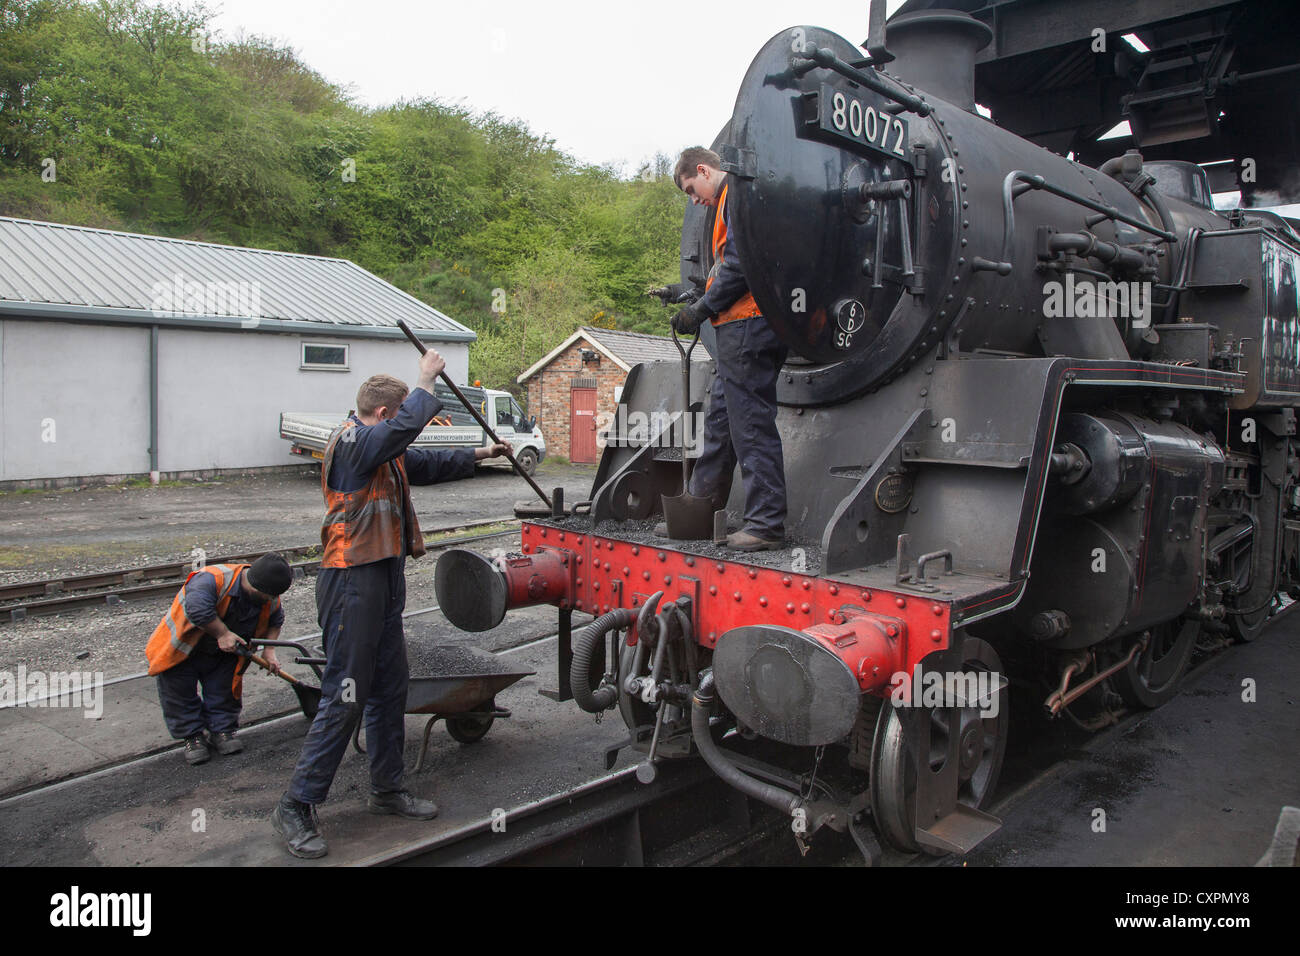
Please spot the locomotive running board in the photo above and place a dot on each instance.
(960, 831)
(957, 827)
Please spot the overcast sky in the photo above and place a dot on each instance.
(610, 82)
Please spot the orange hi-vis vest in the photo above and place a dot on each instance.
(745, 307)
(175, 636)
(364, 526)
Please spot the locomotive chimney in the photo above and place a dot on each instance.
(934, 50)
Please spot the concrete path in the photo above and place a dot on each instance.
(159, 811)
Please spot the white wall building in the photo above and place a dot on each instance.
(126, 354)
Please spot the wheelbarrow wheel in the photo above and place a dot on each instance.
(469, 728)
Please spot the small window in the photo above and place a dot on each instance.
(503, 411)
(318, 355)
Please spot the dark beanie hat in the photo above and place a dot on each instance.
(270, 574)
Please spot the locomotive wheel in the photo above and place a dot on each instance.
(893, 773)
(1246, 627)
(1154, 676)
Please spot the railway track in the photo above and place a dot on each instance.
(54, 596)
(687, 816)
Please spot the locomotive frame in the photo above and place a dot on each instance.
(974, 482)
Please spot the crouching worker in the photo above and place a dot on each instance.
(369, 529)
(194, 646)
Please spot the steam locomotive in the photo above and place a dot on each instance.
(1038, 420)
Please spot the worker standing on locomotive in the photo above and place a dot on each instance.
(194, 646)
(741, 421)
(369, 528)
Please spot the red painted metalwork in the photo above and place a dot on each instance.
(610, 573)
(872, 645)
(543, 577)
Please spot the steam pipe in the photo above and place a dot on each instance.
(584, 646)
(154, 476)
(1089, 246)
(1017, 182)
(1157, 200)
(1114, 168)
(777, 797)
(823, 56)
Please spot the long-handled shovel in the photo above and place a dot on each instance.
(308, 696)
(688, 517)
(510, 456)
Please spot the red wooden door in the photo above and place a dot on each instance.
(582, 425)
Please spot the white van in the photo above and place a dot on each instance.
(454, 427)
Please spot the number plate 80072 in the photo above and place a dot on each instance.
(846, 115)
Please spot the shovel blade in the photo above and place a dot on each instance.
(308, 699)
(689, 518)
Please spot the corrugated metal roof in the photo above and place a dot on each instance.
(61, 271)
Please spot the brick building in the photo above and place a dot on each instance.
(582, 378)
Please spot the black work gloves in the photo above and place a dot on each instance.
(689, 319)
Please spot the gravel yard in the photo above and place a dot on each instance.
(56, 534)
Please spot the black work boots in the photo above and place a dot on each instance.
(227, 743)
(196, 749)
(737, 540)
(402, 803)
(296, 822)
(746, 541)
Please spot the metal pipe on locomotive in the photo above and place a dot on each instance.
(1038, 418)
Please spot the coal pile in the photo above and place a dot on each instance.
(427, 659)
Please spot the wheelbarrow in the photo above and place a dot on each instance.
(456, 684)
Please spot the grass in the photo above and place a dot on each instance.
(146, 483)
(120, 485)
(451, 536)
(42, 555)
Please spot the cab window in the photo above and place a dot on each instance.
(504, 416)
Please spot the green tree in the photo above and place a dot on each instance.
(132, 115)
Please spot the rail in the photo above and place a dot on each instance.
(121, 583)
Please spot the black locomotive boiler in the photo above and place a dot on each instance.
(1038, 419)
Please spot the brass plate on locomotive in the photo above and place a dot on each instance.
(894, 493)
